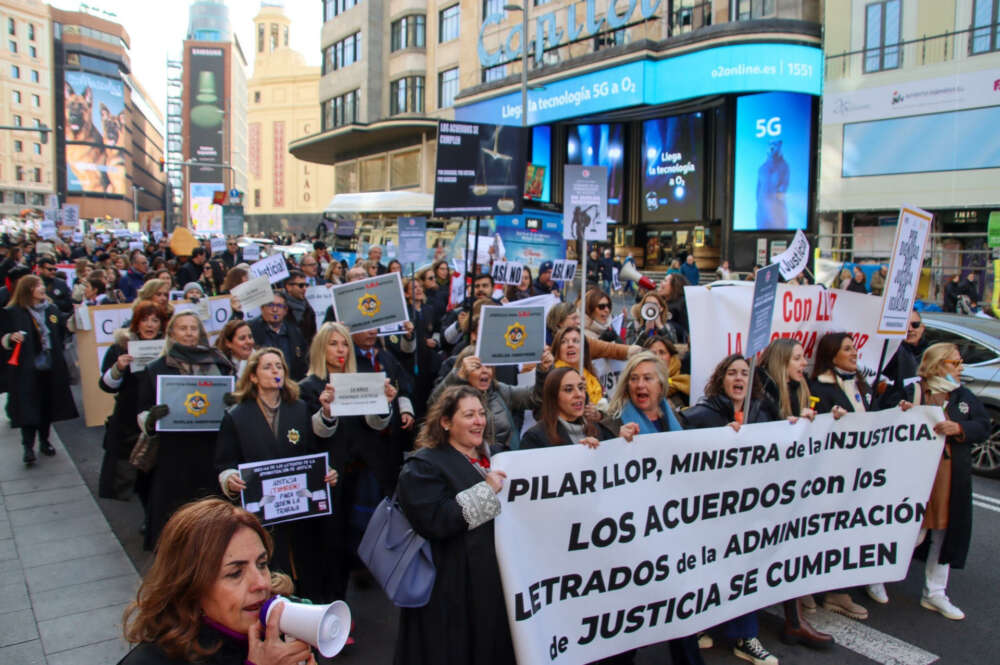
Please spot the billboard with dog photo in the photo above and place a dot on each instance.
(95, 136)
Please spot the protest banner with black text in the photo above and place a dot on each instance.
(605, 550)
(719, 318)
(283, 490)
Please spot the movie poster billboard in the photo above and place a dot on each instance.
(773, 135)
(95, 136)
(205, 79)
(480, 169)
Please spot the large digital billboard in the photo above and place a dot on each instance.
(771, 179)
(672, 164)
(205, 125)
(601, 145)
(96, 137)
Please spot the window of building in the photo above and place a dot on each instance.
(747, 10)
(31, 32)
(342, 110)
(492, 7)
(12, 45)
(34, 76)
(16, 95)
(494, 73)
(345, 52)
(18, 146)
(882, 31)
(19, 173)
(345, 177)
(333, 8)
(373, 174)
(284, 35)
(447, 87)
(37, 174)
(15, 72)
(409, 32)
(36, 101)
(404, 169)
(39, 200)
(260, 38)
(2, 196)
(986, 26)
(406, 95)
(256, 96)
(449, 22)
(35, 122)
(19, 197)
(36, 148)
(274, 36)
(17, 119)
(11, 27)
(256, 198)
(32, 51)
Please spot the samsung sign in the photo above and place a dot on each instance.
(721, 70)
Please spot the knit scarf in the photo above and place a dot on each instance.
(847, 382)
(594, 390)
(630, 414)
(196, 360)
(38, 313)
(575, 430)
(940, 384)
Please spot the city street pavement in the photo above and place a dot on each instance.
(901, 633)
(64, 578)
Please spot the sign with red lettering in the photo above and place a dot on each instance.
(719, 318)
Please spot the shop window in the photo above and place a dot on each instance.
(373, 174)
(404, 169)
(346, 177)
(882, 32)
(986, 26)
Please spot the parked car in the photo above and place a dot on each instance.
(978, 340)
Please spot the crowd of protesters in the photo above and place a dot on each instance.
(448, 414)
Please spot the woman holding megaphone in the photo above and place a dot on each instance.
(200, 601)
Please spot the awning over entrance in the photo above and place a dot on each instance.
(380, 202)
(335, 144)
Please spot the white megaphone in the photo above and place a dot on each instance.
(628, 273)
(325, 627)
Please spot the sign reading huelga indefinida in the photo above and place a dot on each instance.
(480, 169)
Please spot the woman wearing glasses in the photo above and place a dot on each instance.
(598, 308)
(947, 526)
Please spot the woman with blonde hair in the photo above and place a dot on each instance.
(200, 601)
(268, 422)
(157, 291)
(639, 399)
(948, 520)
(449, 493)
(184, 467)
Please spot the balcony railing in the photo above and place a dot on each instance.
(926, 50)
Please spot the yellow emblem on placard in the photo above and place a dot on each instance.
(293, 436)
(514, 337)
(197, 403)
(369, 304)
(53, 318)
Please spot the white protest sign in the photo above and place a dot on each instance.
(563, 271)
(254, 292)
(107, 321)
(547, 301)
(456, 293)
(220, 310)
(912, 232)
(507, 272)
(251, 252)
(218, 245)
(273, 266)
(286, 489)
(47, 229)
(794, 259)
(77, 237)
(585, 208)
(134, 245)
(605, 550)
(320, 298)
(718, 319)
(82, 315)
(359, 394)
(144, 352)
(157, 236)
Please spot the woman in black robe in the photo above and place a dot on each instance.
(269, 422)
(564, 396)
(39, 382)
(448, 492)
(185, 461)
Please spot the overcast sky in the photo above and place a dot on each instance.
(158, 29)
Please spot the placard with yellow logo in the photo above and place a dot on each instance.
(196, 402)
(370, 303)
(510, 335)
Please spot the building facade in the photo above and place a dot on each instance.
(109, 138)
(703, 112)
(283, 193)
(27, 161)
(214, 114)
(910, 111)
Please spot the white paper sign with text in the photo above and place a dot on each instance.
(901, 282)
(144, 352)
(273, 266)
(605, 550)
(254, 292)
(359, 394)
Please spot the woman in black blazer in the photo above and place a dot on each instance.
(564, 396)
(33, 329)
(269, 421)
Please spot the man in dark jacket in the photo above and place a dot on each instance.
(273, 328)
(135, 276)
(303, 315)
(232, 255)
(56, 287)
(544, 284)
(191, 270)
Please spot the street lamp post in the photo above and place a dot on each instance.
(135, 201)
(524, 57)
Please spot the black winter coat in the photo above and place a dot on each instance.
(964, 408)
(536, 437)
(717, 411)
(465, 622)
(30, 388)
(297, 353)
(232, 651)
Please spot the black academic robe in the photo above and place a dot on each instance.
(232, 651)
(465, 622)
(185, 461)
(245, 436)
(121, 430)
(718, 411)
(964, 408)
(292, 344)
(29, 388)
(536, 436)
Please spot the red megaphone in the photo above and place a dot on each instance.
(628, 273)
(15, 356)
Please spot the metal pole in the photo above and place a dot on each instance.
(524, 64)
(135, 205)
(583, 290)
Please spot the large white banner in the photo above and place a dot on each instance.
(606, 550)
(719, 318)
